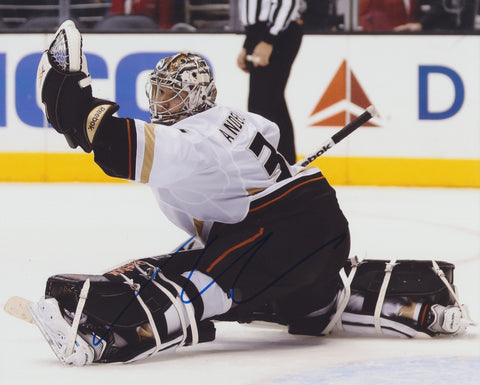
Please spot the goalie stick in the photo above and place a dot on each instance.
(18, 307)
(368, 114)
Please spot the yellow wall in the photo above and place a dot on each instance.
(427, 132)
(79, 167)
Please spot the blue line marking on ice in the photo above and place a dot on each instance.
(438, 371)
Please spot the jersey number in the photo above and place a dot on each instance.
(274, 162)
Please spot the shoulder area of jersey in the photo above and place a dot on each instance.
(199, 123)
(210, 118)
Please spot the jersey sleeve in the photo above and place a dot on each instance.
(157, 155)
(168, 155)
(115, 147)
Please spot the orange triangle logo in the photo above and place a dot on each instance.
(343, 100)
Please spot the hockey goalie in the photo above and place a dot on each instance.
(269, 240)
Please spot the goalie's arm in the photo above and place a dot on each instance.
(115, 147)
(87, 122)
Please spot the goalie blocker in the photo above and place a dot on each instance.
(127, 313)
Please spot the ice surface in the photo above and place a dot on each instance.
(48, 229)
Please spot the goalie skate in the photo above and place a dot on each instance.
(56, 330)
(444, 319)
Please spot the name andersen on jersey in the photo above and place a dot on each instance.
(232, 126)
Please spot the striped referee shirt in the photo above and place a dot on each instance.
(276, 14)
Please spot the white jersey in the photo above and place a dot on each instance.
(208, 167)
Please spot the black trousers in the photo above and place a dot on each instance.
(267, 87)
(282, 261)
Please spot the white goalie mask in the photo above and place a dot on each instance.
(180, 85)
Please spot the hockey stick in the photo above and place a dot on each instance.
(368, 114)
(17, 307)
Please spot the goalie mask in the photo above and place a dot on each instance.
(180, 85)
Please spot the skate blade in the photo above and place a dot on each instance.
(37, 320)
(18, 307)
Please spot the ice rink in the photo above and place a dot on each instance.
(48, 229)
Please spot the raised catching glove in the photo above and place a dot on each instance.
(64, 87)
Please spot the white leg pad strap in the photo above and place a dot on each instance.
(466, 319)
(76, 319)
(136, 288)
(344, 298)
(381, 295)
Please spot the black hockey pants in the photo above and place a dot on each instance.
(282, 261)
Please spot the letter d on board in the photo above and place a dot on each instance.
(423, 111)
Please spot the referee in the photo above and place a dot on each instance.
(273, 37)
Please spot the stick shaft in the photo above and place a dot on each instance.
(369, 113)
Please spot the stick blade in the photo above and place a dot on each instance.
(17, 307)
